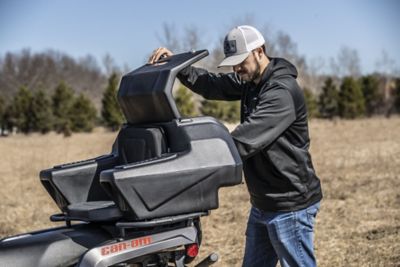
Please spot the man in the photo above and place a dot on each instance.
(273, 142)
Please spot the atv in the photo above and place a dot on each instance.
(141, 205)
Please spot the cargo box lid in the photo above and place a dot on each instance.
(145, 94)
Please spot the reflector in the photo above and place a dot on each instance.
(192, 250)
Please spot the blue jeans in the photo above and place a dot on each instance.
(284, 236)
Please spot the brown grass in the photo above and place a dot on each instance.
(357, 161)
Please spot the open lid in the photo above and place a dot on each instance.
(145, 94)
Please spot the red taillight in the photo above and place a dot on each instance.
(192, 250)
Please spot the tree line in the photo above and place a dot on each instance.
(355, 97)
(67, 111)
(64, 111)
(46, 69)
(347, 98)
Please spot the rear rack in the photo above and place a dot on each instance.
(160, 221)
(60, 217)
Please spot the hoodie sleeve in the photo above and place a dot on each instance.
(274, 113)
(210, 85)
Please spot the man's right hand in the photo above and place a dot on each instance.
(158, 54)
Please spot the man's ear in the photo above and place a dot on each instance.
(260, 53)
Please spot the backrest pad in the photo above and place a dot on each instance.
(140, 143)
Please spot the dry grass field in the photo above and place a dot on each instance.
(357, 161)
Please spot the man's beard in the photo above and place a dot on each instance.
(256, 74)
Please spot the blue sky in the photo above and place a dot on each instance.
(128, 30)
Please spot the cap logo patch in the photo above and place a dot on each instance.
(230, 47)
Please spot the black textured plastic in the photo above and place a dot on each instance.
(185, 183)
(145, 94)
(78, 181)
(94, 211)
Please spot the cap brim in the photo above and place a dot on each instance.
(233, 60)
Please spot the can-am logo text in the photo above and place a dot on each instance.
(121, 246)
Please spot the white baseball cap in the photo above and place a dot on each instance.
(238, 44)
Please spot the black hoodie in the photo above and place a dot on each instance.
(272, 138)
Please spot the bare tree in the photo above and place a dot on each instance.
(169, 37)
(126, 68)
(46, 70)
(334, 67)
(313, 77)
(109, 65)
(192, 39)
(386, 67)
(347, 63)
(385, 64)
(216, 57)
(286, 48)
(270, 39)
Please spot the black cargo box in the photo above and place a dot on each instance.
(160, 164)
(180, 181)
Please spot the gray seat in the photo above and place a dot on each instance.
(55, 247)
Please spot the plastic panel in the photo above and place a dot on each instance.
(186, 183)
(145, 94)
(77, 182)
